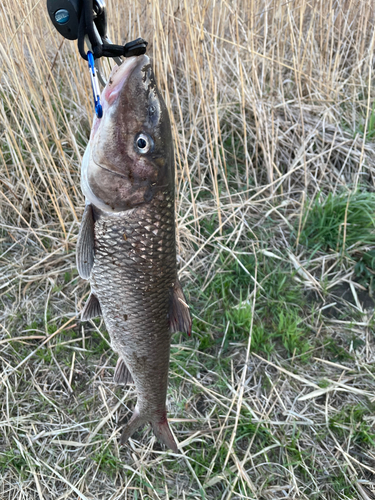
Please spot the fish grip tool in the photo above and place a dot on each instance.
(95, 27)
(86, 20)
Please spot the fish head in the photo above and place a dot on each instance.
(130, 158)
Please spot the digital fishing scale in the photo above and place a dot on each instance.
(86, 21)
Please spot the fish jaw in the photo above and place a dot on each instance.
(116, 174)
(118, 77)
(116, 81)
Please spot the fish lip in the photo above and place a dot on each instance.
(116, 81)
(119, 76)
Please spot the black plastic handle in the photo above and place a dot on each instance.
(74, 19)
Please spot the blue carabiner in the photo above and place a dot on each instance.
(94, 85)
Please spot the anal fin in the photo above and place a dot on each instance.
(179, 315)
(92, 308)
(122, 374)
(85, 244)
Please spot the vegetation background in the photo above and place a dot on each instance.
(272, 397)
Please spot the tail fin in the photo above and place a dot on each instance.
(160, 427)
(136, 421)
(163, 433)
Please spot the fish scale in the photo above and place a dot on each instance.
(132, 279)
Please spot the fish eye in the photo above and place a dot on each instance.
(143, 143)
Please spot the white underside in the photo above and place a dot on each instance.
(86, 190)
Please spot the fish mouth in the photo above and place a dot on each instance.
(113, 172)
(109, 170)
(116, 81)
(120, 74)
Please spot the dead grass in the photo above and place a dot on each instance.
(273, 396)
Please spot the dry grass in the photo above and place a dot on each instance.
(273, 396)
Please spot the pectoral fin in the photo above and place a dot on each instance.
(85, 244)
(122, 374)
(179, 315)
(92, 308)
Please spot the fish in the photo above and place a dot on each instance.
(126, 244)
